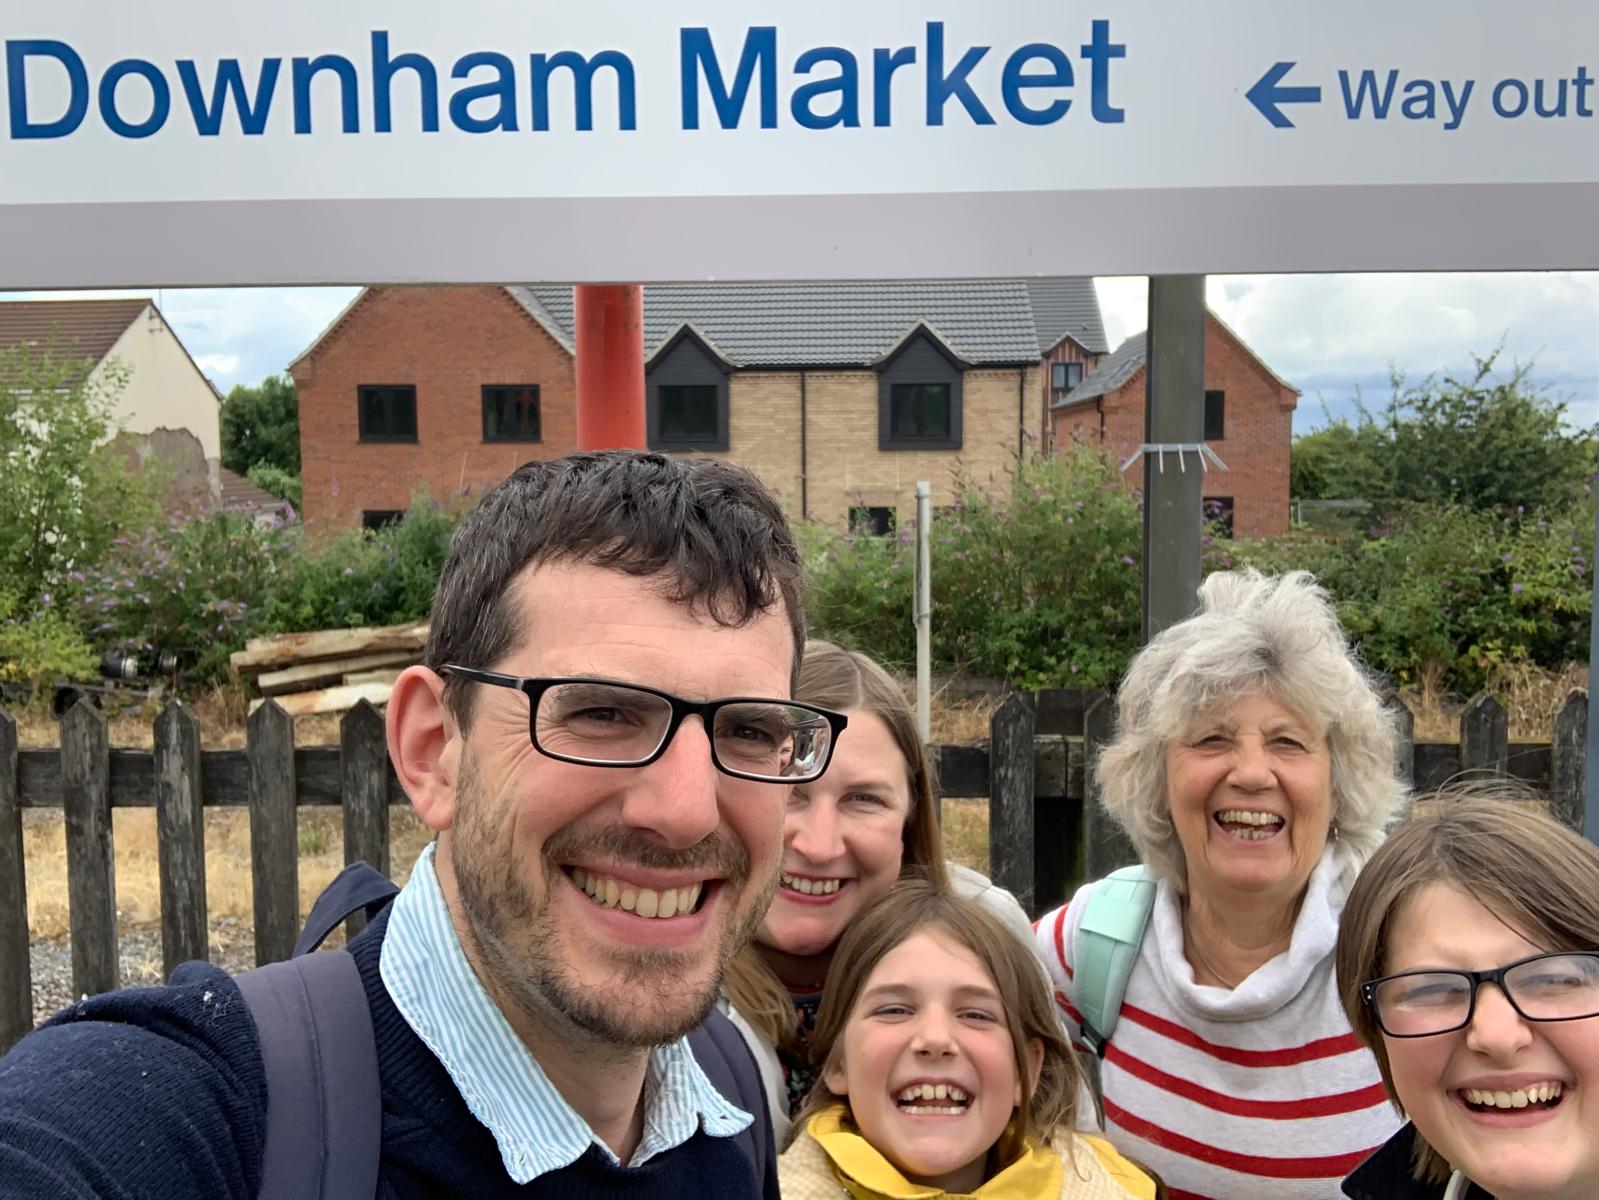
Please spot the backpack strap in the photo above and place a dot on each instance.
(324, 1125)
(359, 886)
(1114, 919)
(720, 1050)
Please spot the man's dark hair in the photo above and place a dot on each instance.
(711, 528)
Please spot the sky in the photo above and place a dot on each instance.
(1332, 336)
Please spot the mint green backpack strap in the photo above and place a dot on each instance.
(1106, 947)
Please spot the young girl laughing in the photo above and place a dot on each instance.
(942, 1071)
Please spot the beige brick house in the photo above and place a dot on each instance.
(839, 395)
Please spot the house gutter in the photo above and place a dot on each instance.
(805, 504)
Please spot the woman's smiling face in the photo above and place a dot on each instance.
(843, 840)
(1544, 1142)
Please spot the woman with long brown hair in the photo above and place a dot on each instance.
(847, 839)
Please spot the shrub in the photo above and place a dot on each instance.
(1037, 583)
(40, 647)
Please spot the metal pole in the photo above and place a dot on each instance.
(1590, 769)
(1174, 412)
(608, 327)
(924, 610)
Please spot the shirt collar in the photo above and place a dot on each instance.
(435, 989)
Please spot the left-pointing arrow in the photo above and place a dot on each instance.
(1268, 93)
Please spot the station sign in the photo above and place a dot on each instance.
(366, 142)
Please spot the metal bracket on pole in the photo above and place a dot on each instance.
(1203, 451)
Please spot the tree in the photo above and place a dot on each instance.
(65, 495)
(261, 426)
(1488, 441)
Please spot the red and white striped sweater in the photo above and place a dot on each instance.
(1261, 1092)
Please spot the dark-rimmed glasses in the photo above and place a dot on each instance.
(605, 723)
(1559, 986)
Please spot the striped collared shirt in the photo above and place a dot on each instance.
(537, 1131)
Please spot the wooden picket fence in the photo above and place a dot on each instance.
(1045, 831)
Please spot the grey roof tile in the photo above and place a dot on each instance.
(1067, 307)
(1110, 374)
(851, 324)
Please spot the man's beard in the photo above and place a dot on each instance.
(646, 1001)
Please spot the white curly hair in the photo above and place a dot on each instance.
(1276, 636)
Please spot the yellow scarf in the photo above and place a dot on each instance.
(1033, 1171)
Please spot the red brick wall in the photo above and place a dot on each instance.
(448, 342)
(1258, 428)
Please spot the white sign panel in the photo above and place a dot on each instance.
(195, 143)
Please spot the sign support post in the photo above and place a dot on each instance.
(1174, 414)
(608, 328)
(1590, 767)
(924, 610)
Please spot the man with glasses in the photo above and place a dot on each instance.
(602, 739)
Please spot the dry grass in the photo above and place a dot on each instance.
(965, 829)
(1531, 697)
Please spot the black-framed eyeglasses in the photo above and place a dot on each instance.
(605, 723)
(1559, 986)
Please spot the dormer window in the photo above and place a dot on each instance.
(685, 389)
(919, 394)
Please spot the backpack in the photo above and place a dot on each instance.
(324, 1134)
(1114, 919)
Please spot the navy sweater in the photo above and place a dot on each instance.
(159, 1092)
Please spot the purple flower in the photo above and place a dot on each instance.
(1127, 560)
(1516, 588)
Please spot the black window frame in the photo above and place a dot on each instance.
(873, 520)
(538, 412)
(1215, 418)
(1222, 515)
(686, 361)
(1060, 376)
(374, 519)
(369, 435)
(921, 360)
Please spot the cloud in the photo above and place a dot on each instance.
(1338, 336)
(216, 365)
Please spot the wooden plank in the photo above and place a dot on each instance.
(264, 654)
(1484, 736)
(224, 778)
(1404, 741)
(387, 676)
(1439, 762)
(960, 772)
(1010, 800)
(91, 864)
(1105, 846)
(364, 752)
(16, 978)
(1060, 710)
(329, 671)
(180, 837)
(1567, 760)
(274, 833)
(329, 700)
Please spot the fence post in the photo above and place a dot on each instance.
(180, 837)
(1404, 741)
(364, 784)
(1057, 820)
(1105, 846)
(274, 832)
(16, 978)
(1567, 760)
(1010, 799)
(1484, 736)
(91, 861)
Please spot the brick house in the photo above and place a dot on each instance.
(839, 395)
(1249, 413)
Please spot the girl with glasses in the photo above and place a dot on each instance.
(1468, 961)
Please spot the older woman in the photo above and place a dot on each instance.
(1253, 768)
(1501, 1082)
(847, 839)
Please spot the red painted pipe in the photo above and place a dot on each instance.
(608, 323)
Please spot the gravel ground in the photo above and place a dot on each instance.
(139, 951)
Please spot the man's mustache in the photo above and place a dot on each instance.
(625, 845)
